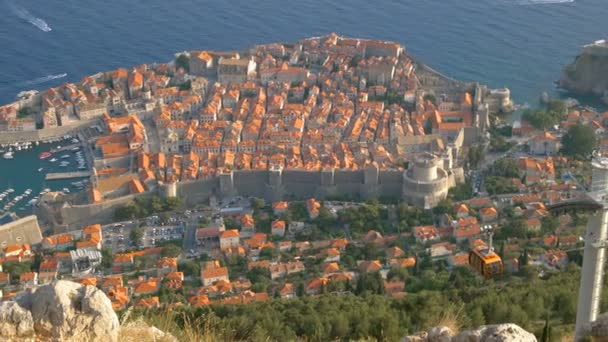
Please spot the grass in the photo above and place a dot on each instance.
(452, 319)
(183, 328)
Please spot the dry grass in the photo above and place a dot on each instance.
(452, 319)
(200, 329)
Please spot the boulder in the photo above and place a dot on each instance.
(66, 310)
(440, 334)
(16, 323)
(496, 333)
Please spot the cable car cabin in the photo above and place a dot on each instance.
(486, 262)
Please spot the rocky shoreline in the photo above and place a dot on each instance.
(588, 74)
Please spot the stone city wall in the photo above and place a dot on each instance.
(43, 134)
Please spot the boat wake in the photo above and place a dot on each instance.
(42, 79)
(542, 2)
(30, 18)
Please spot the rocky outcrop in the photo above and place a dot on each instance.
(61, 311)
(139, 331)
(485, 333)
(588, 74)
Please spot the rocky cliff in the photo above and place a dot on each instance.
(68, 311)
(588, 74)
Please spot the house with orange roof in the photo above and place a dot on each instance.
(18, 250)
(287, 291)
(555, 258)
(488, 214)
(90, 281)
(199, 300)
(533, 224)
(278, 228)
(373, 237)
(147, 303)
(173, 280)
(425, 234)
(47, 271)
(461, 210)
(367, 266)
(247, 226)
(545, 144)
(316, 285)
(5, 279)
(119, 296)
(395, 252)
(313, 206)
(58, 242)
(466, 229)
(441, 250)
(165, 265)
(147, 287)
(459, 259)
(330, 268)
(403, 262)
(109, 282)
(28, 279)
(213, 274)
(280, 207)
(229, 238)
(283, 269)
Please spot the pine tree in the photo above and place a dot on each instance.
(546, 331)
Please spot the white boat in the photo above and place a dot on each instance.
(40, 169)
(65, 156)
(8, 155)
(75, 140)
(66, 190)
(10, 190)
(53, 160)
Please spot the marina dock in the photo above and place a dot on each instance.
(65, 148)
(67, 175)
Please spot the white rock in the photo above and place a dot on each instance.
(16, 322)
(496, 333)
(440, 334)
(64, 310)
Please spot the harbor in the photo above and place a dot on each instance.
(67, 175)
(32, 169)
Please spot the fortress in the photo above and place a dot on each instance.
(424, 184)
(325, 117)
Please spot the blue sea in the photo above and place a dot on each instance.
(520, 44)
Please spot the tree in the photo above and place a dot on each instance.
(171, 251)
(183, 61)
(136, 235)
(579, 141)
(107, 257)
(269, 253)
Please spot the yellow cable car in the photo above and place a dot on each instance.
(485, 261)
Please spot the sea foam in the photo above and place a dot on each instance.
(30, 18)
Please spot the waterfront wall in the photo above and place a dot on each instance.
(44, 134)
(23, 230)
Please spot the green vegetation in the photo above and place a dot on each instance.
(15, 269)
(183, 61)
(530, 303)
(185, 86)
(475, 156)
(505, 167)
(499, 185)
(431, 98)
(579, 141)
(545, 119)
(146, 206)
(461, 192)
(24, 112)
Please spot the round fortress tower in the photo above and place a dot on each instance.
(425, 183)
(425, 167)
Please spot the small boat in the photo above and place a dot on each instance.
(75, 148)
(75, 140)
(10, 190)
(8, 155)
(40, 169)
(65, 156)
(45, 155)
(53, 160)
(66, 190)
